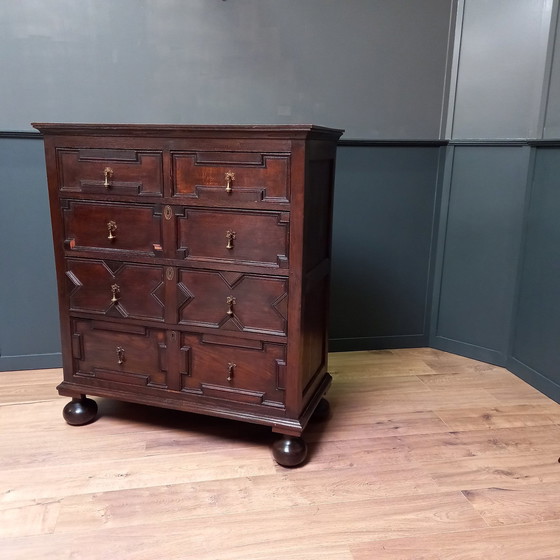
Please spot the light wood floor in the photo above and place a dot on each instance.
(426, 456)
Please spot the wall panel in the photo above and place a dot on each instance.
(479, 250)
(29, 331)
(383, 243)
(535, 353)
(501, 68)
(552, 115)
(378, 69)
(383, 246)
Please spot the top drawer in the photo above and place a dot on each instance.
(226, 178)
(110, 171)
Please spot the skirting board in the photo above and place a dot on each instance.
(377, 343)
(535, 379)
(32, 361)
(469, 350)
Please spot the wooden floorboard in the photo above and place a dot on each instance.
(426, 455)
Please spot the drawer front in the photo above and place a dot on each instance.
(234, 370)
(222, 236)
(116, 289)
(117, 353)
(233, 301)
(110, 171)
(112, 227)
(225, 177)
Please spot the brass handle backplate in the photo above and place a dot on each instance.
(230, 177)
(115, 292)
(112, 227)
(230, 302)
(231, 368)
(230, 236)
(108, 174)
(120, 355)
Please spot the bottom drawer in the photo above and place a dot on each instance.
(109, 353)
(240, 370)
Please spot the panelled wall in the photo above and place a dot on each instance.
(480, 234)
(384, 234)
(495, 290)
(446, 200)
(497, 272)
(378, 69)
(535, 335)
(29, 331)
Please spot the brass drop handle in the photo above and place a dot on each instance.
(229, 178)
(231, 302)
(120, 355)
(231, 368)
(108, 174)
(230, 236)
(112, 227)
(115, 291)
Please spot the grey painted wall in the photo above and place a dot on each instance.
(386, 201)
(481, 233)
(377, 68)
(29, 332)
(535, 352)
(552, 115)
(506, 85)
(501, 64)
(374, 67)
(383, 244)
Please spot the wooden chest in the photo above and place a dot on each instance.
(193, 269)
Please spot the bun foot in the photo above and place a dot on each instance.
(289, 451)
(80, 411)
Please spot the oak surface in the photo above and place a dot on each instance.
(193, 269)
(426, 455)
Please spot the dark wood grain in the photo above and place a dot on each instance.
(193, 267)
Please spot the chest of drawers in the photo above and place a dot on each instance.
(193, 269)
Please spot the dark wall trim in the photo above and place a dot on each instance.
(545, 143)
(381, 143)
(534, 378)
(20, 134)
(468, 350)
(491, 142)
(375, 143)
(378, 343)
(507, 142)
(351, 143)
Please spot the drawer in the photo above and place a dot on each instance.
(233, 301)
(245, 371)
(238, 237)
(229, 177)
(110, 171)
(115, 289)
(111, 352)
(112, 227)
